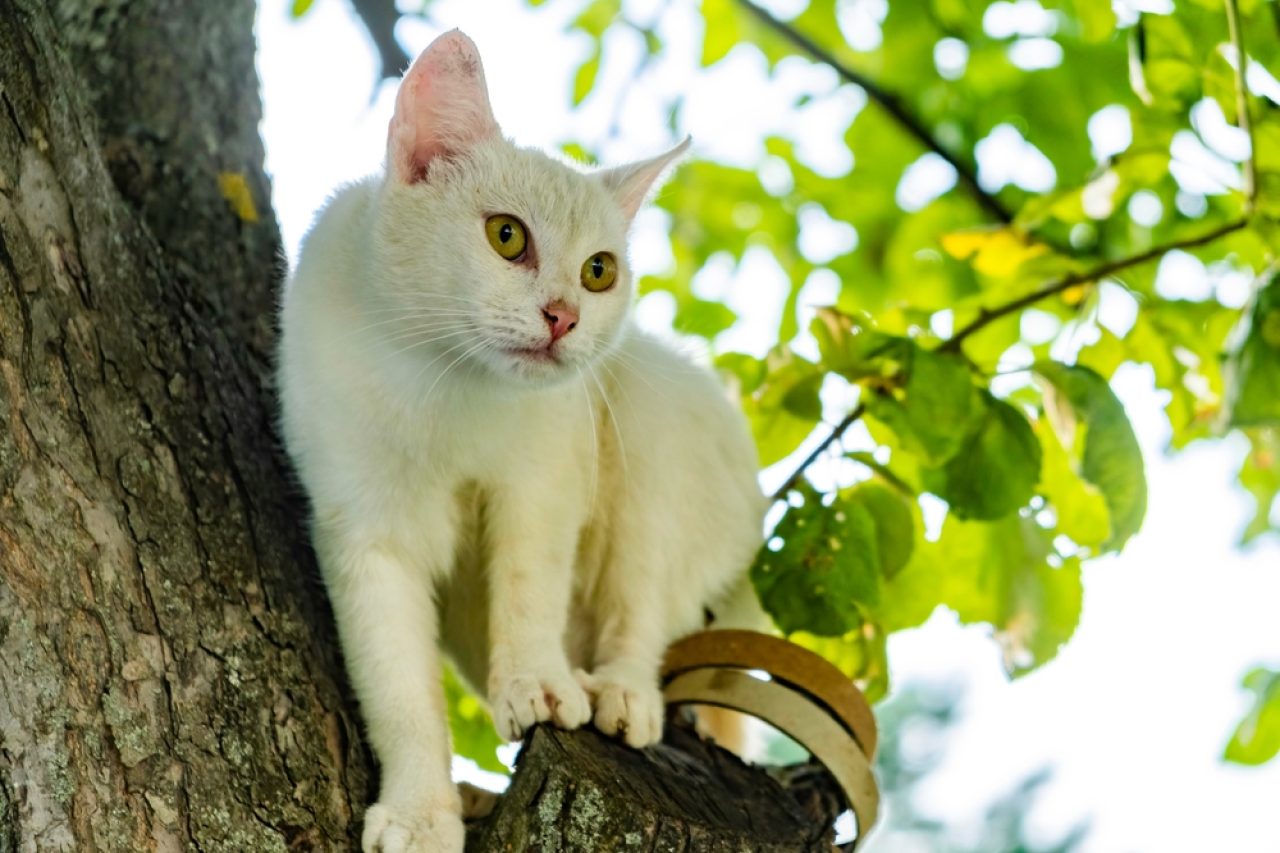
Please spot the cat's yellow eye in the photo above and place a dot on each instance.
(506, 235)
(599, 272)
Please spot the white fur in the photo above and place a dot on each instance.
(532, 517)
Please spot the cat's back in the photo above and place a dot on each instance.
(333, 247)
(324, 387)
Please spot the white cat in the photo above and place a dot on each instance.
(497, 459)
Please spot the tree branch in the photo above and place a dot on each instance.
(1242, 105)
(965, 172)
(837, 431)
(987, 317)
(379, 18)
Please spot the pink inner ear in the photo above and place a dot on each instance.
(442, 108)
(631, 183)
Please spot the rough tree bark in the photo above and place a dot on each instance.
(167, 679)
(168, 673)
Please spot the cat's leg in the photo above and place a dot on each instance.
(635, 607)
(386, 621)
(531, 535)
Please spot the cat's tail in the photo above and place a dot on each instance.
(737, 608)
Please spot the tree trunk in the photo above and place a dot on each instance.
(168, 673)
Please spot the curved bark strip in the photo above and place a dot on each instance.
(166, 666)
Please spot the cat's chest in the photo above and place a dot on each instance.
(460, 439)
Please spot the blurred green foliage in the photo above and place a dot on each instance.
(1018, 434)
(1257, 738)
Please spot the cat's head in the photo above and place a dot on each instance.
(498, 256)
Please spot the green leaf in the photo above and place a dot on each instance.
(1253, 370)
(894, 522)
(473, 733)
(703, 318)
(1097, 19)
(298, 8)
(859, 654)
(935, 410)
(995, 471)
(1091, 422)
(577, 152)
(784, 407)
(723, 30)
(999, 572)
(826, 570)
(585, 77)
(849, 346)
(1257, 739)
(1260, 476)
(597, 16)
(1080, 506)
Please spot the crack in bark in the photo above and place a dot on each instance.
(24, 306)
(13, 116)
(78, 409)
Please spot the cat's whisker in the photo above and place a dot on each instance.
(419, 320)
(626, 363)
(426, 326)
(618, 385)
(639, 373)
(472, 351)
(408, 306)
(664, 371)
(613, 418)
(466, 354)
(595, 443)
(433, 340)
(452, 349)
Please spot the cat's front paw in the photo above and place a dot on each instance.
(520, 701)
(627, 706)
(390, 831)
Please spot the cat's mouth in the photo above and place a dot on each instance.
(538, 355)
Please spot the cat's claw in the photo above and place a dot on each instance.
(629, 708)
(523, 700)
(388, 831)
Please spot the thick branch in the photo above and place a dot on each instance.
(890, 102)
(580, 791)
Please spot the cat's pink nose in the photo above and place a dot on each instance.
(561, 318)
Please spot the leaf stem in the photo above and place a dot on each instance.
(1242, 105)
(966, 173)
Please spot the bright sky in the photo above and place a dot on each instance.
(1134, 712)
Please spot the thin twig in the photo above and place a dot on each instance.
(890, 102)
(836, 431)
(989, 316)
(1242, 105)
(952, 344)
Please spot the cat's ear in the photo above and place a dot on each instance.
(630, 184)
(442, 108)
